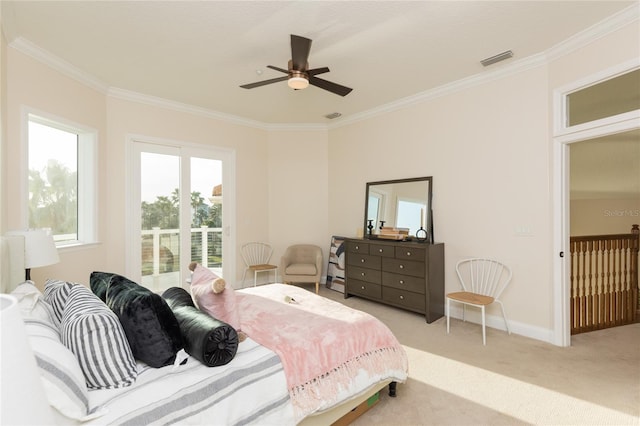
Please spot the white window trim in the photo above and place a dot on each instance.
(87, 174)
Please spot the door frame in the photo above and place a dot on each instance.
(132, 238)
(563, 136)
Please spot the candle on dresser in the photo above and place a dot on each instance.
(421, 218)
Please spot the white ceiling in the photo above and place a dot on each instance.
(198, 52)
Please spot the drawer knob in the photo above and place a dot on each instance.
(362, 274)
(362, 287)
(357, 247)
(380, 250)
(401, 297)
(401, 266)
(408, 253)
(362, 260)
(401, 281)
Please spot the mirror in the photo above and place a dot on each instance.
(402, 206)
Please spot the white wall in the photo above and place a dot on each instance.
(298, 190)
(486, 148)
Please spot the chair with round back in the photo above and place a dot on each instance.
(483, 281)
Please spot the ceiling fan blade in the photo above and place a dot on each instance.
(278, 69)
(317, 71)
(330, 86)
(300, 48)
(264, 82)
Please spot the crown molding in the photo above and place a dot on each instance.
(137, 97)
(447, 89)
(577, 41)
(612, 23)
(36, 52)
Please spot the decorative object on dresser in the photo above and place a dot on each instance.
(406, 275)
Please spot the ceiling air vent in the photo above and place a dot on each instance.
(333, 115)
(497, 58)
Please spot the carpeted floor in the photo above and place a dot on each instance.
(455, 380)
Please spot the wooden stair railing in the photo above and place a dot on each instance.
(604, 281)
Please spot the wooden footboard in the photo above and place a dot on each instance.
(351, 409)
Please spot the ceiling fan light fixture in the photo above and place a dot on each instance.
(298, 83)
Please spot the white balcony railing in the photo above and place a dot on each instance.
(162, 260)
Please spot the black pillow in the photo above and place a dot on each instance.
(151, 327)
(210, 341)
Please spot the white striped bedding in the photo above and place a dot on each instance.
(252, 389)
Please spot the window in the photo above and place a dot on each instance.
(608, 98)
(61, 180)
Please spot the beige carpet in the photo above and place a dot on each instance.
(455, 380)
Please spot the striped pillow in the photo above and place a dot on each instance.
(56, 293)
(95, 336)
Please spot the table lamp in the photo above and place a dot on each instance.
(39, 249)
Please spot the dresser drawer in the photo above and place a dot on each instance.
(403, 282)
(410, 253)
(364, 274)
(362, 288)
(364, 261)
(404, 299)
(357, 247)
(403, 267)
(381, 250)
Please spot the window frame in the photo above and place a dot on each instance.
(87, 174)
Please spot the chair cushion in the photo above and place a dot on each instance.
(468, 297)
(301, 269)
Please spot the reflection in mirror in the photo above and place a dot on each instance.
(403, 204)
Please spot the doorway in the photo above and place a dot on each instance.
(182, 204)
(567, 130)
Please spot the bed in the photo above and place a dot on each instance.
(279, 374)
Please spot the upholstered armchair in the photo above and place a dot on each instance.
(302, 263)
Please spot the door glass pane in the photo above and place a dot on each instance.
(206, 213)
(160, 208)
(612, 97)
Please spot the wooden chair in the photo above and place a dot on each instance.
(256, 258)
(483, 281)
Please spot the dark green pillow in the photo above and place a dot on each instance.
(151, 327)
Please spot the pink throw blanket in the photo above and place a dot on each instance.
(322, 344)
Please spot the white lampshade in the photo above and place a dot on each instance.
(23, 397)
(39, 248)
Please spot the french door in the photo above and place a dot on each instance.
(178, 212)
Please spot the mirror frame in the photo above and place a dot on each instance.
(429, 224)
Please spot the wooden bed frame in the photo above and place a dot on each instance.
(12, 274)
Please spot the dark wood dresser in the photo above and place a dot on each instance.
(406, 275)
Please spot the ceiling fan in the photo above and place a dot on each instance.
(298, 74)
